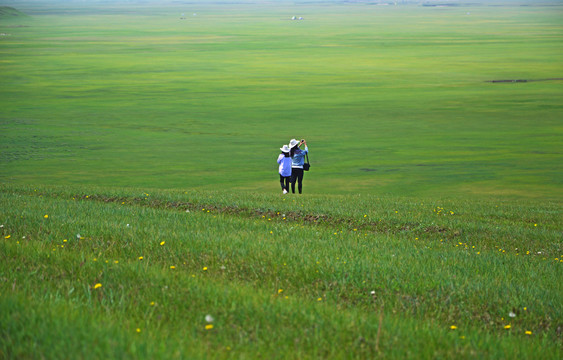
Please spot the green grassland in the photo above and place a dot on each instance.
(393, 100)
(139, 192)
(317, 277)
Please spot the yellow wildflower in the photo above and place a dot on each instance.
(453, 327)
(205, 268)
(172, 267)
(138, 330)
(280, 291)
(46, 216)
(97, 286)
(507, 327)
(162, 243)
(140, 258)
(528, 332)
(7, 237)
(208, 326)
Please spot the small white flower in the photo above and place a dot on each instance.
(128, 225)
(511, 314)
(223, 267)
(373, 292)
(78, 236)
(1, 226)
(209, 318)
(539, 252)
(188, 211)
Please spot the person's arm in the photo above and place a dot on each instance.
(303, 142)
(280, 158)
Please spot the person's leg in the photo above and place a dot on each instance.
(287, 178)
(300, 180)
(281, 181)
(293, 179)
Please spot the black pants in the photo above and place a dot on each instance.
(285, 179)
(296, 175)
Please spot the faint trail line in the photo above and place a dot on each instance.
(287, 216)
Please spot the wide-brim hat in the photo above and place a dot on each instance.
(293, 143)
(285, 148)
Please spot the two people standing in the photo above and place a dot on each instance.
(291, 161)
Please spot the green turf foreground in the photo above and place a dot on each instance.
(184, 274)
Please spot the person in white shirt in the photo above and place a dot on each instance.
(284, 162)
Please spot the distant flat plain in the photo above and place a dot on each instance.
(392, 99)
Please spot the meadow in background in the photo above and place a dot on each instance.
(140, 211)
(393, 99)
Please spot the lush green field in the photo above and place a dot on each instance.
(121, 274)
(392, 100)
(140, 210)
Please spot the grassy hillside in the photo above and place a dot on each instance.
(137, 272)
(392, 100)
(8, 12)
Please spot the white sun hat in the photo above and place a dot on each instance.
(285, 148)
(293, 143)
